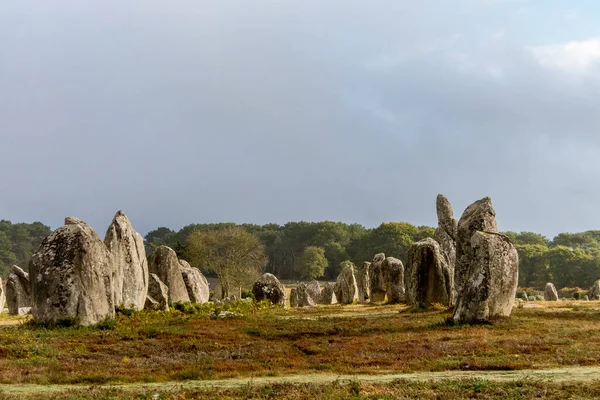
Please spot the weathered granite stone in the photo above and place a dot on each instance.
(378, 284)
(586, 298)
(71, 277)
(157, 298)
(195, 283)
(550, 293)
(479, 216)
(328, 294)
(524, 296)
(309, 294)
(364, 282)
(393, 272)
(268, 287)
(429, 279)
(446, 233)
(18, 291)
(130, 277)
(346, 289)
(165, 264)
(490, 283)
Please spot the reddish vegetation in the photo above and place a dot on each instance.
(350, 339)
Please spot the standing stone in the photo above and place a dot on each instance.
(130, 278)
(18, 292)
(71, 277)
(195, 283)
(393, 272)
(429, 279)
(363, 282)
(586, 298)
(2, 297)
(308, 294)
(268, 287)
(165, 264)
(550, 293)
(294, 301)
(346, 289)
(157, 298)
(328, 294)
(479, 216)
(490, 283)
(524, 296)
(446, 232)
(594, 293)
(378, 284)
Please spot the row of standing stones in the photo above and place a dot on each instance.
(468, 266)
(76, 277)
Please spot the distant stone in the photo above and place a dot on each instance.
(130, 265)
(294, 301)
(18, 291)
(71, 277)
(550, 293)
(539, 297)
(393, 272)
(157, 298)
(309, 294)
(377, 277)
(586, 298)
(165, 264)
(524, 296)
(195, 283)
(346, 289)
(479, 216)
(2, 296)
(328, 294)
(429, 279)
(490, 283)
(364, 282)
(268, 287)
(531, 298)
(594, 293)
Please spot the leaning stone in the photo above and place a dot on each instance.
(165, 264)
(268, 287)
(195, 283)
(524, 296)
(378, 284)
(71, 277)
(346, 289)
(586, 298)
(428, 277)
(129, 262)
(550, 293)
(328, 294)
(491, 280)
(158, 295)
(479, 216)
(18, 291)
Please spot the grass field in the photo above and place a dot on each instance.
(185, 345)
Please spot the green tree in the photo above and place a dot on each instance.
(234, 255)
(312, 263)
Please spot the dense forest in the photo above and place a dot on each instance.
(568, 260)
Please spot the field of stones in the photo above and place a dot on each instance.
(98, 319)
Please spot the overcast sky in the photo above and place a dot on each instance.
(273, 111)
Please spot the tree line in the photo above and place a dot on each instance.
(301, 250)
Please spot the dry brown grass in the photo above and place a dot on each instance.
(358, 339)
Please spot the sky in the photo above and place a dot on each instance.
(272, 111)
